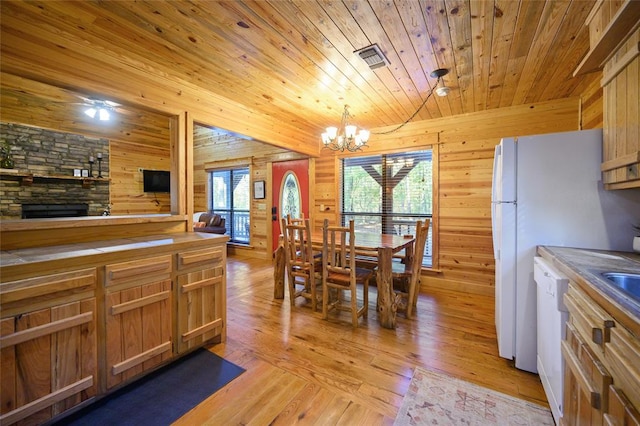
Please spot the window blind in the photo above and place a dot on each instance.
(388, 193)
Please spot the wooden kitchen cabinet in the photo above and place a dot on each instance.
(614, 39)
(621, 411)
(602, 365)
(586, 382)
(201, 292)
(77, 323)
(138, 306)
(48, 345)
(621, 116)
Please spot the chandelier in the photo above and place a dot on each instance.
(346, 137)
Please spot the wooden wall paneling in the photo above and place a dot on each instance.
(435, 219)
(591, 106)
(181, 148)
(327, 181)
(127, 192)
(261, 210)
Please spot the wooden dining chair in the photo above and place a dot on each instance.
(300, 263)
(340, 274)
(406, 277)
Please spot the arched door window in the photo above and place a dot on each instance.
(290, 197)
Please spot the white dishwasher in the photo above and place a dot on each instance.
(552, 316)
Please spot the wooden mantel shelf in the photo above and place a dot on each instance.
(27, 177)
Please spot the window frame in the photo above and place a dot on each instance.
(230, 214)
(430, 260)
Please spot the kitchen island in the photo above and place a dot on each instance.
(602, 345)
(81, 320)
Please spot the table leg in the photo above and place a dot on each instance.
(278, 274)
(387, 305)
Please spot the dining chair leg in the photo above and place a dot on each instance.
(325, 301)
(412, 290)
(366, 298)
(354, 308)
(415, 294)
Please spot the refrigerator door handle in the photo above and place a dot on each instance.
(494, 183)
(493, 230)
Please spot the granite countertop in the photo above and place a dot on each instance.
(24, 257)
(584, 266)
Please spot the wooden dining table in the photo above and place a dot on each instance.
(382, 246)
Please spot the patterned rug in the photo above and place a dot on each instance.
(437, 399)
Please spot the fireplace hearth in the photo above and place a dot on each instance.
(41, 211)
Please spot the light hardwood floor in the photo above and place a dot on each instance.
(303, 369)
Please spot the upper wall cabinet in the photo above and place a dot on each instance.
(614, 36)
(621, 153)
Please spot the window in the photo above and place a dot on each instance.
(389, 193)
(290, 198)
(230, 198)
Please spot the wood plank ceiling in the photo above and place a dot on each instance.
(295, 60)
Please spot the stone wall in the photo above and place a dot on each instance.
(54, 155)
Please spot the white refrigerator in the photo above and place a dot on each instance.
(547, 190)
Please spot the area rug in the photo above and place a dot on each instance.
(437, 399)
(163, 396)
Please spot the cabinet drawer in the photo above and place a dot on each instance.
(137, 271)
(202, 258)
(586, 380)
(622, 356)
(39, 292)
(590, 320)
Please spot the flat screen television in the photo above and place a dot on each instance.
(156, 181)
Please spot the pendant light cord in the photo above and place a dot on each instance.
(412, 115)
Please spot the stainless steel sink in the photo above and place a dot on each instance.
(627, 282)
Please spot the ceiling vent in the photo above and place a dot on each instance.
(373, 56)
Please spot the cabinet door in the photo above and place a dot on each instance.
(48, 361)
(586, 382)
(621, 411)
(622, 355)
(138, 317)
(621, 115)
(201, 297)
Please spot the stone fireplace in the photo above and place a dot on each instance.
(52, 157)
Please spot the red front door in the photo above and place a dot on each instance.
(290, 193)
